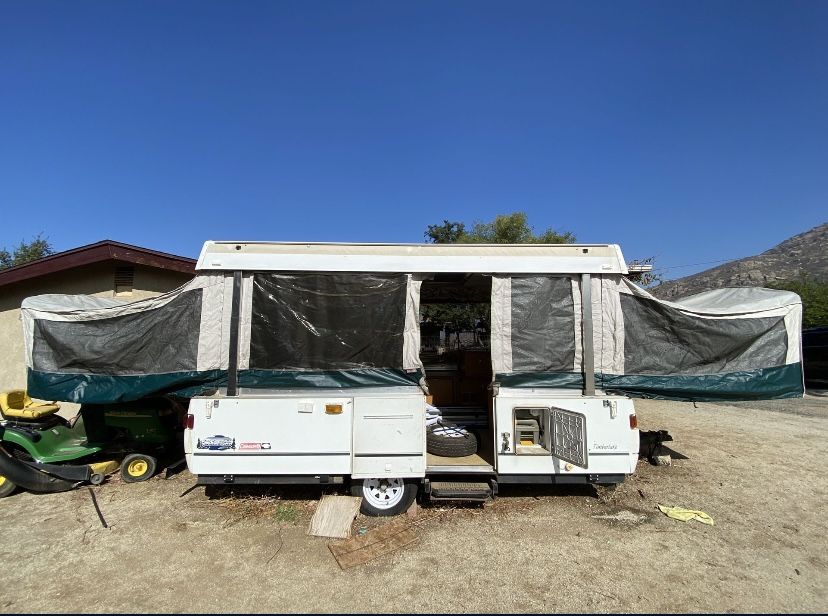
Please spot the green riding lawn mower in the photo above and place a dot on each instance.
(44, 452)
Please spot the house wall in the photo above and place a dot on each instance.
(97, 279)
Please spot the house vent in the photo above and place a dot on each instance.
(124, 278)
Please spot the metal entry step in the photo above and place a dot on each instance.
(460, 490)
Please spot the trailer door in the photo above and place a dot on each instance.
(569, 438)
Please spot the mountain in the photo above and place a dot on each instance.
(803, 254)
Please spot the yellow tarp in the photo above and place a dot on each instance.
(685, 515)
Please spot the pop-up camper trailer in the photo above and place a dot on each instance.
(304, 362)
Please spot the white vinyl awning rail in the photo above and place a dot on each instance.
(413, 258)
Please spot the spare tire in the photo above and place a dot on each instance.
(450, 440)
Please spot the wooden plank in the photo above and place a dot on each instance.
(374, 543)
(472, 460)
(334, 516)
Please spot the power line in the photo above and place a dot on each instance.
(672, 267)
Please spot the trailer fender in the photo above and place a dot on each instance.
(29, 477)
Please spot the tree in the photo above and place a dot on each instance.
(447, 233)
(814, 296)
(460, 315)
(511, 228)
(37, 248)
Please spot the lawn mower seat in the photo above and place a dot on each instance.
(16, 404)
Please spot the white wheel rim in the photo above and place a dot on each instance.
(383, 493)
(450, 431)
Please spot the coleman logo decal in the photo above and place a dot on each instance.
(250, 446)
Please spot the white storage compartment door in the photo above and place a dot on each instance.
(389, 437)
(393, 425)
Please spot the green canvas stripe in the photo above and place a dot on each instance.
(766, 383)
(104, 388)
(562, 380)
(368, 377)
(762, 384)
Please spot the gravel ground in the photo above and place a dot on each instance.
(757, 468)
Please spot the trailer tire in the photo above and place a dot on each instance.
(451, 441)
(138, 467)
(386, 496)
(6, 487)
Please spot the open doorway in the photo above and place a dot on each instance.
(455, 317)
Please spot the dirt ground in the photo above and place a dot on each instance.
(758, 469)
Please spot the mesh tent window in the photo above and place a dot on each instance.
(155, 341)
(542, 324)
(659, 339)
(327, 321)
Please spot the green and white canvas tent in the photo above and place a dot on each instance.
(271, 315)
(741, 343)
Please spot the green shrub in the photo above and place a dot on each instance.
(814, 296)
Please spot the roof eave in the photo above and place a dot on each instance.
(98, 252)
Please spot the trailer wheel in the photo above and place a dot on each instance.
(6, 487)
(451, 441)
(384, 497)
(138, 467)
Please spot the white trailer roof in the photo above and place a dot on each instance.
(413, 258)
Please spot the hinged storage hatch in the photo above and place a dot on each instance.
(569, 438)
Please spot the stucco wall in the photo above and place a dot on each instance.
(96, 279)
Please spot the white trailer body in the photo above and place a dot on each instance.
(375, 437)
(287, 435)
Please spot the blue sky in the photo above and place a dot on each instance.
(691, 131)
